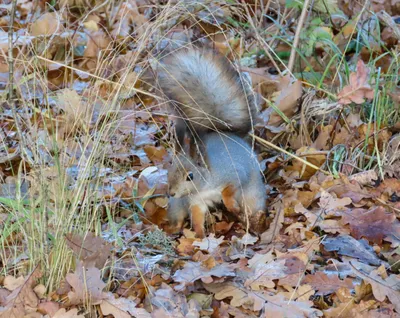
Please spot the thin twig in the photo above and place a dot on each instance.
(11, 99)
(10, 54)
(297, 35)
(269, 144)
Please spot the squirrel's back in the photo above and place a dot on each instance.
(207, 91)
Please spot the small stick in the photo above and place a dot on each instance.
(10, 54)
(297, 35)
(269, 144)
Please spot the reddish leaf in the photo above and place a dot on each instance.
(374, 224)
(325, 284)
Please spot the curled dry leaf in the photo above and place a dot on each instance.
(348, 246)
(286, 101)
(383, 287)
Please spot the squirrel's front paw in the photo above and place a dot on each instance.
(228, 198)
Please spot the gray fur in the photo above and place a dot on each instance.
(230, 160)
(207, 91)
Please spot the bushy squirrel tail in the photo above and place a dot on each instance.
(206, 91)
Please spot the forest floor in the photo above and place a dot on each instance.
(86, 142)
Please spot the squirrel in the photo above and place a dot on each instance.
(206, 92)
(217, 108)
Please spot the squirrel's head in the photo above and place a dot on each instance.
(184, 177)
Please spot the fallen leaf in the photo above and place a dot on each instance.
(192, 271)
(348, 246)
(301, 293)
(48, 24)
(248, 239)
(327, 284)
(23, 299)
(275, 226)
(358, 89)
(286, 101)
(49, 308)
(168, 303)
(122, 308)
(209, 244)
(91, 250)
(265, 274)
(382, 288)
(86, 284)
(374, 224)
(278, 306)
(238, 296)
(63, 313)
(12, 283)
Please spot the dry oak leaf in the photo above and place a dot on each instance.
(353, 310)
(169, 303)
(300, 293)
(11, 283)
(4, 293)
(265, 274)
(350, 190)
(225, 310)
(77, 113)
(306, 172)
(87, 285)
(48, 308)
(186, 246)
(358, 89)
(209, 244)
(348, 246)
(98, 41)
(246, 239)
(286, 101)
(122, 308)
(238, 295)
(382, 288)
(63, 313)
(91, 250)
(330, 204)
(48, 24)
(375, 224)
(278, 306)
(260, 258)
(23, 299)
(273, 231)
(193, 271)
(327, 284)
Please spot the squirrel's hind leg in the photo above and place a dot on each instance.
(198, 212)
(229, 199)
